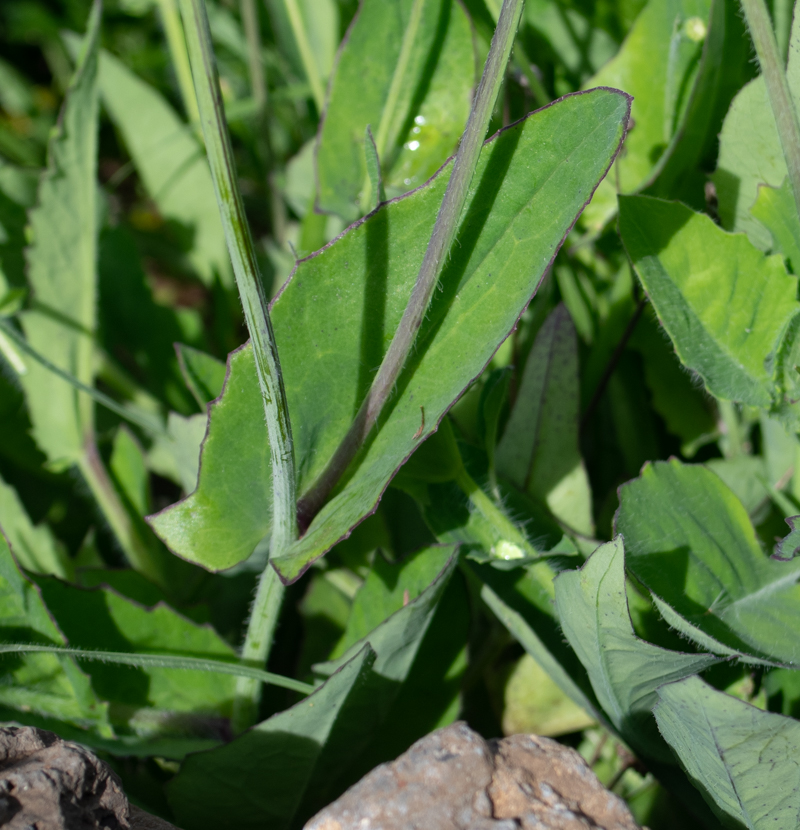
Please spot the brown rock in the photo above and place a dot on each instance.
(50, 784)
(455, 780)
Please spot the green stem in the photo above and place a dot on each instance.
(136, 550)
(306, 53)
(780, 99)
(180, 57)
(444, 232)
(162, 661)
(388, 115)
(734, 433)
(508, 532)
(255, 66)
(265, 351)
(148, 423)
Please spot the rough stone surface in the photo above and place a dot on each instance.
(50, 784)
(455, 780)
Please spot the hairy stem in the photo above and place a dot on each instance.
(306, 53)
(444, 232)
(780, 99)
(249, 13)
(388, 115)
(256, 311)
(180, 57)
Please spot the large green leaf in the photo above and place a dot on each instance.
(724, 304)
(35, 547)
(103, 620)
(425, 120)
(743, 760)
(539, 450)
(62, 262)
(171, 163)
(625, 671)
(44, 684)
(336, 316)
(278, 767)
(690, 541)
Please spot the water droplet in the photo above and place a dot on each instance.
(419, 119)
(413, 145)
(695, 29)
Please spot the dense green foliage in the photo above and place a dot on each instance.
(577, 512)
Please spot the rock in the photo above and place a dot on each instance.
(50, 784)
(455, 780)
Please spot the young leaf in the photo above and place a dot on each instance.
(62, 268)
(416, 96)
(690, 541)
(176, 455)
(277, 768)
(546, 165)
(36, 548)
(40, 683)
(743, 760)
(539, 450)
(725, 328)
(624, 670)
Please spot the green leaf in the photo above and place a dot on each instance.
(36, 548)
(539, 449)
(670, 58)
(725, 328)
(743, 760)
(284, 764)
(62, 267)
(776, 210)
(624, 670)
(171, 164)
(100, 619)
(426, 118)
(387, 589)
(690, 541)
(545, 165)
(40, 683)
(204, 374)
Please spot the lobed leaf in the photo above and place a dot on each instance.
(335, 318)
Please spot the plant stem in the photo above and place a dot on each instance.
(255, 66)
(180, 57)
(306, 53)
(256, 311)
(780, 99)
(135, 548)
(388, 115)
(436, 253)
